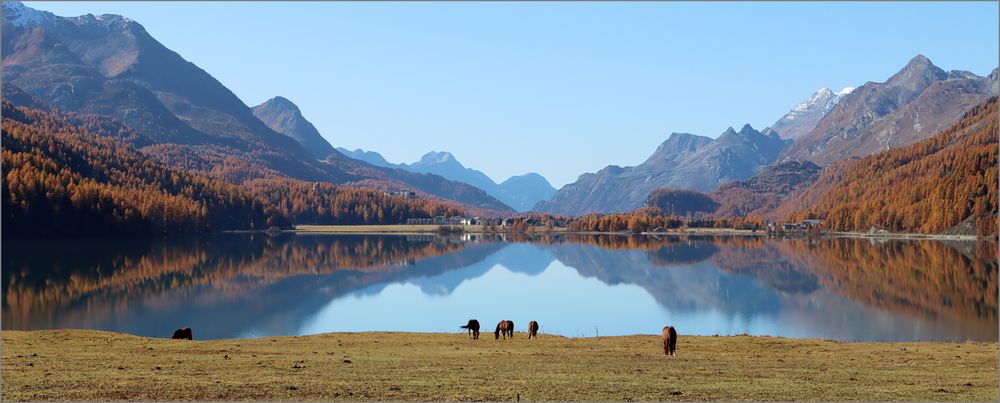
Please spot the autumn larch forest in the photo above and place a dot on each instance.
(77, 174)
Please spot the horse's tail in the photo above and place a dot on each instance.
(464, 327)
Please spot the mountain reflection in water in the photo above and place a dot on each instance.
(258, 285)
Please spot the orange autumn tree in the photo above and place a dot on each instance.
(927, 187)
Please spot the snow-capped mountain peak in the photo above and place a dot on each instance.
(845, 91)
(20, 15)
(805, 115)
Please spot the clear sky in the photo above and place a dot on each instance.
(557, 88)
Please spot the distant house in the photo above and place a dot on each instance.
(441, 220)
(406, 194)
(812, 223)
(804, 225)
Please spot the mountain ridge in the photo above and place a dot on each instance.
(683, 161)
(521, 192)
(911, 105)
(110, 66)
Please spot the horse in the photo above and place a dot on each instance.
(505, 328)
(473, 327)
(669, 340)
(182, 333)
(532, 329)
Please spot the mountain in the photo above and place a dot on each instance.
(945, 183)
(110, 66)
(683, 161)
(520, 192)
(445, 165)
(284, 117)
(804, 117)
(370, 157)
(913, 104)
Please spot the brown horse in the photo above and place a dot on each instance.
(182, 333)
(532, 329)
(669, 340)
(473, 327)
(505, 328)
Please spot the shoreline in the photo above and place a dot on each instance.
(423, 229)
(380, 366)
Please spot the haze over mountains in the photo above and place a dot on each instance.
(109, 65)
(521, 192)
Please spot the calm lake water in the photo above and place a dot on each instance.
(231, 286)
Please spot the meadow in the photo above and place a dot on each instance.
(96, 365)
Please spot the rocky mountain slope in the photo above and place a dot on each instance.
(913, 104)
(284, 117)
(804, 117)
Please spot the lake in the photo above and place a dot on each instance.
(253, 285)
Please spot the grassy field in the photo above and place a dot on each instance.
(91, 365)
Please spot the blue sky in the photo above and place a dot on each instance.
(557, 88)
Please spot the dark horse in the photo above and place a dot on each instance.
(669, 340)
(532, 329)
(506, 328)
(182, 333)
(473, 327)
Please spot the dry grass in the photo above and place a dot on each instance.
(91, 365)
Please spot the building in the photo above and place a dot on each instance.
(406, 194)
(440, 220)
(812, 223)
(805, 225)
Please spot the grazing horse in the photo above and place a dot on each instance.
(669, 340)
(532, 329)
(473, 327)
(505, 328)
(182, 333)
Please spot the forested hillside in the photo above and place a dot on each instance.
(67, 174)
(681, 202)
(761, 194)
(326, 203)
(62, 179)
(928, 187)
